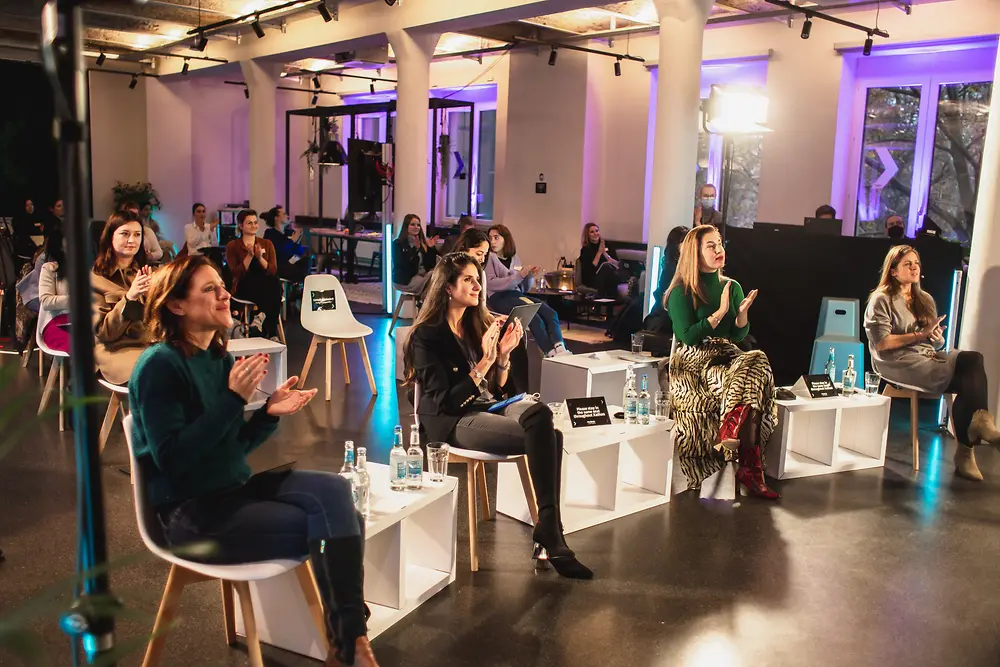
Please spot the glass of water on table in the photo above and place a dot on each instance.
(871, 384)
(437, 461)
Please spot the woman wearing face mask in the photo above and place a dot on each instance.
(461, 365)
(255, 271)
(199, 233)
(293, 257)
(53, 295)
(505, 277)
(905, 336)
(413, 256)
(120, 285)
(709, 315)
(706, 211)
(599, 265)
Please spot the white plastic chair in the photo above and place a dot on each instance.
(115, 405)
(56, 373)
(184, 572)
(331, 322)
(403, 298)
(913, 394)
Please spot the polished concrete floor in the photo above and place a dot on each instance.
(881, 567)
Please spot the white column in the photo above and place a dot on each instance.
(675, 142)
(262, 81)
(413, 53)
(981, 318)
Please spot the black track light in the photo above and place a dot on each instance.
(101, 58)
(134, 82)
(868, 45)
(324, 11)
(257, 28)
(618, 67)
(316, 83)
(553, 56)
(371, 87)
(807, 28)
(315, 99)
(185, 67)
(200, 42)
(246, 91)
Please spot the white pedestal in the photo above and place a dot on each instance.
(277, 369)
(410, 552)
(827, 435)
(608, 472)
(580, 375)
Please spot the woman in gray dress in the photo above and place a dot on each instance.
(905, 337)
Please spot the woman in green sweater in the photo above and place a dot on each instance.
(188, 398)
(710, 376)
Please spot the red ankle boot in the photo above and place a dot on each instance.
(729, 429)
(750, 475)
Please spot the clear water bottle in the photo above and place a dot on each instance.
(364, 504)
(414, 461)
(631, 402)
(348, 471)
(850, 378)
(831, 366)
(397, 461)
(642, 406)
(629, 380)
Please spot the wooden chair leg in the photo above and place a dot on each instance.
(62, 394)
(368, 365)
(176, 580)
(50, 384)
(470, 472)
(395, 312)
(228, 612)
(109, 422)
(914, 430)
(249, 624)
(281, 333)
(528, 487)
(307, 582)
(41, 363)
(485, 514)
(26, 355)
(343, 359)
(329, 357)
(309, 360)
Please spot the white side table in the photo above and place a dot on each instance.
(821, 436)
(579, 375)
(608, 472)
(277, 368)
(410, 550)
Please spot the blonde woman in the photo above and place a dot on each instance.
(710, 376)
(905, 336)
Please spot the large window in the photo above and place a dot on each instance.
(458, 182)
(477, 177)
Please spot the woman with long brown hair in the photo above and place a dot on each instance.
(905, 337)
(598, 263)
(710, 376)
(120, 283)
(413, 256)
(461, 366)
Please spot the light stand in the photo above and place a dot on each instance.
(91, 616)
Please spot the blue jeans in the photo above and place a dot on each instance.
(274, 515)
(544, 326)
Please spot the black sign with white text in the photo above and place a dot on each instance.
(590, 411)
(819, 386)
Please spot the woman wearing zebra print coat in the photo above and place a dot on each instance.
(722, 398)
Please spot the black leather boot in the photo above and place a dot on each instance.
(339, 567)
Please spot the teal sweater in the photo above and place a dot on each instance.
(691, 324)
(188, 430)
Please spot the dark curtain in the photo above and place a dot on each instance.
(28, 160)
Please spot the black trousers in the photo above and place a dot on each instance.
(264, 290)
(971, 391)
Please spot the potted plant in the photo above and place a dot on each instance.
(140, 193)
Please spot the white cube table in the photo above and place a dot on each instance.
(277, 367)
(410, 549)
(608, 472)
(580, 375)
(821, 436)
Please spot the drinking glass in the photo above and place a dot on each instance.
(557, 411)
(661, 406)
(637, 343)
(437, 461)
(871, 384)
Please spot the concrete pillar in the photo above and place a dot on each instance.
(413, 53)
(262, 81)
(981, 318)
(675, 142)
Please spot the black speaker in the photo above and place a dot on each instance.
(364, 183)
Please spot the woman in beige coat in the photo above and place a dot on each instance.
(120, 286)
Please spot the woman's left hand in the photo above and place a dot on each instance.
(287, 401)
(510, 339)
(746, 303)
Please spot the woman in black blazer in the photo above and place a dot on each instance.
(461, 366)
(413, 256)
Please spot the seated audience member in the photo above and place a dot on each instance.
(709, 315)
(460, 365)
(413, 256)
(706, 210)
(151, 253)
(599, 265)
(255, 271)
(504, 287)
(465, 223)
(895, 228)
(27, 227)
(658, 320)
(475, 243)
(199, 234)
(293, 257)
(905, 337)
(151, 225)
(119, 284)
(188, 398)
(826, 212)
(53, 295)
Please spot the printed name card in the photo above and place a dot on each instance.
(589, 411)
(816, 386)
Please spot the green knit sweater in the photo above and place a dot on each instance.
(188, 430)
(691, 324)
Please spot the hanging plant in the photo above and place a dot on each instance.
(315, 145)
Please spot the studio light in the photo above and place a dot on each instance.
(736, 110)
(618, 68)
(135, 80)
(257, 28)
(868, 45)
(186, 67)
(200, 42)
(324, 11)
(101, 58)
(316, 83)
(371, 87)
(315, 99)
(552, 57)
(807, 28)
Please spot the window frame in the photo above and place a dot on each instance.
(473, 167)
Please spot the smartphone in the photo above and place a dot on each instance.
(497, 407)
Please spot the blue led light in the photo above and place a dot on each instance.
(654, 272)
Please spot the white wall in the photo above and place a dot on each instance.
(170, 121)
(117, 136)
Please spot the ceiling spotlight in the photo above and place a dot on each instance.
(258, 30)
(553, 56)
(807, 28)
(135, 80)
(185, 67)
(618, 67)
(324, 11)
(315, 99)
(101, 58)
(200, 42)
(246, 91)
(316, 83)
(371, 87)
(868, 45)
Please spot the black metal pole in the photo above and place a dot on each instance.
(62, 55)
(728, 152)
(472, 153)
(288, 144)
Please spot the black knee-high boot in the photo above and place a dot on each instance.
(339, 566)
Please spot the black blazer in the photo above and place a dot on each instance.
(407, 260)
(447, 391)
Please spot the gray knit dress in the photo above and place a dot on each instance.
(919, 365)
